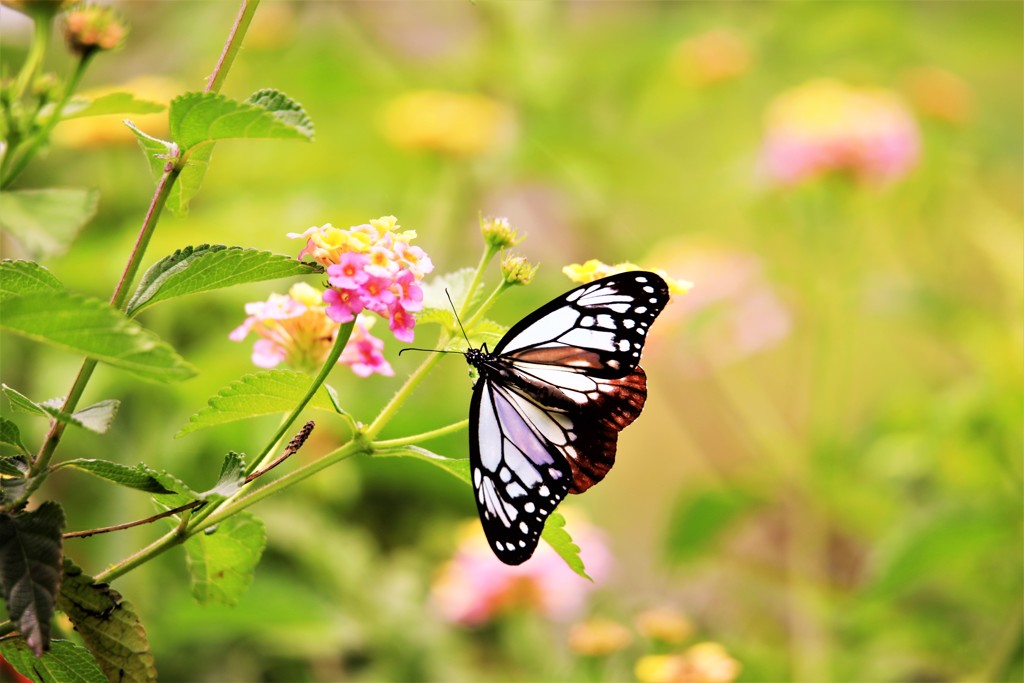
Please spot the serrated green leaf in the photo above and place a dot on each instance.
(139, 477)
(95, 418)
(198, 118)
(560, 540)
(24, 277)
(554, 527)
(207, 267)
(262, 393)
(222, 562)
(30, 569)
(108, 626)
(45, 222)
(284, 109)
(20, 402)
(113, 103)
(91, 327)
(66, 662)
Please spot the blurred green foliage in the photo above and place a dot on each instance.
(842, 504)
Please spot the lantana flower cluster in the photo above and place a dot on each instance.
(828, 126)
(294, 329)
(370, 267)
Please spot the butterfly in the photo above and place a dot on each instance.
(550, 400)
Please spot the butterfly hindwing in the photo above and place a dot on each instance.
(550, 401)
(518, 476)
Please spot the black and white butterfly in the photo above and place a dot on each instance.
(551, 400)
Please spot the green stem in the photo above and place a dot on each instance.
(488, 302)
(344, 332)
(36, 53)
(350, 449)
(423, 436)
(401, 395)
(232, 45)
(485, 258)
(42, 135)
(53, 438)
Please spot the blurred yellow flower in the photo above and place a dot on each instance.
(665, 625)
(702, 663)
(595, 270)
(94, 131)
(825, 125)
(939, 94)
(710, 57)
(598, 637)
(446, 122)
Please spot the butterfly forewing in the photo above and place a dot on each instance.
(551, 400)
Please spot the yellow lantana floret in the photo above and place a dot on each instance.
(595, 270)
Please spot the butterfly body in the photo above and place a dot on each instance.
(550, 401)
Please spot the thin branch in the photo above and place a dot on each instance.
(129, 525)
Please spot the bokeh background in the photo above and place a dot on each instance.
(826, 481)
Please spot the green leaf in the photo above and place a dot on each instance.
(24, 277)
(92, 328)
(204, 268)
(15, 485)
(262, 393)
(285, 109)
(198, 118)
(66, 662)
(554, 527)
(45, 222)
(108, 625)
(458, 467)
(231, 479)
(113, 103)
(159, 152)
(699, 520)
(139, 477)
(95, 418)
(30, 570)
(223, 560)
(11, 435)
(560, 540)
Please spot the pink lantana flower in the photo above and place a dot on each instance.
(402, 322)
(343, 305)
(364, 352)
(295, 330)
(370, 267)
(410, 295)
(349, 272)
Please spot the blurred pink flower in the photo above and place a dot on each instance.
(731, 313)
(475, 587)
(827, 126)
(295, 330)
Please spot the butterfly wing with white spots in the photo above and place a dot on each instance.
(551, 400)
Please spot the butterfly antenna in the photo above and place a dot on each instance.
(457, 317)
